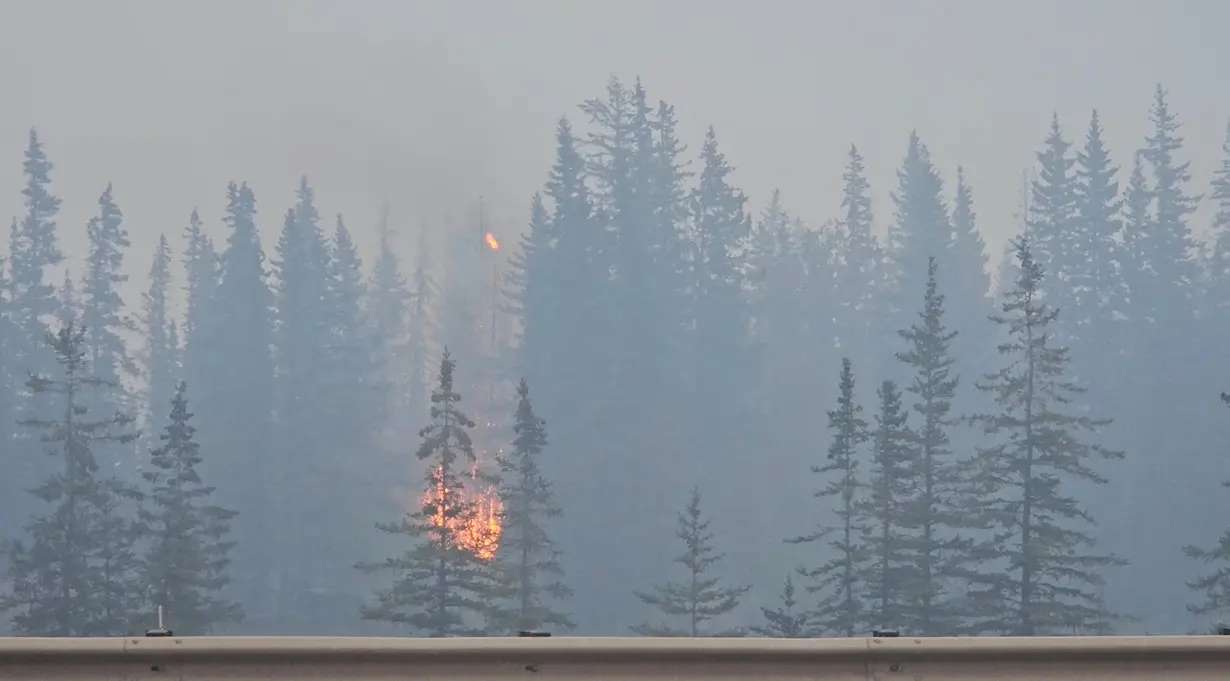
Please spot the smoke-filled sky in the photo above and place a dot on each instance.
(430, 103)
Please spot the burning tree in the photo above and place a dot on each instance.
(442, 584)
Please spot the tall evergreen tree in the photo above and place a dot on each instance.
(532, 584)
(935, 515)
(32, 305)
(33, 248)
(103, 309)
(893, 486)
(1168, 244)
(76, 574)
(104, 314)
(1040, 572)
(699, 598)
(235, 405)
(202, 269)
(424, 293)
(303, 409)
(861, 275)
(160, 358)
(1097, 290)
(722, 357)
(387, 315)
(186, 564)
(1052, 218)
(440, 586)
(785, 621)
(969, 281)
(840, 582)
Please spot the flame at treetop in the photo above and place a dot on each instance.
(477, 531)
(492, 241)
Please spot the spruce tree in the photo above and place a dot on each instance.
(687, 606)
(32, 305)
(1097, 290)
(160, 358)
(893, 485)
(440, 586)
(33, 249)
(1052, 217)
(921, 229)
(424, 294)
(1169, 245)
(840, 582)
(1039, 570)
(722, 358)
(235, 405)
(103, 309)
(861, 275)
(531, 585)
(387, 323)
(187, 559)
(785, 621)
(76, 573)
(935, 514)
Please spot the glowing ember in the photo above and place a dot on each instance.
(492, 242)
(479, 530)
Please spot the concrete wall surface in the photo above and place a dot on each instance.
(1128, 658)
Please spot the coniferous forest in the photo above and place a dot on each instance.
(660, 411)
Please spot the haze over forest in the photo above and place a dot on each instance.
(449, 318)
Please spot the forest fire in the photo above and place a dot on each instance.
(479, 530)
(492, 241)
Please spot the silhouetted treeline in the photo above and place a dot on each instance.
(883, 432)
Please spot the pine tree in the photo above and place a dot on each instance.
(699, 598)
(424, 293)
(440, 586)
(387, 322)
(935, 515)
(103, 310)
(1040, 572)
(32, 306)
(785, 621)
(893, 486)
(76, 574)
(861, 274)
(235, 404)
(1168, 244)
(185, 568)
(531, 574)
(202, 272)
(722, 357)
(921, 228)
(160, 356)
(1053, 215)
(34, 248)
(1097, 289)
(840, 581)
(969, 280)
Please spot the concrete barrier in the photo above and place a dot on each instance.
(1173, 658)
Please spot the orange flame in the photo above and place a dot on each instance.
(492, 241)
(478, 531)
